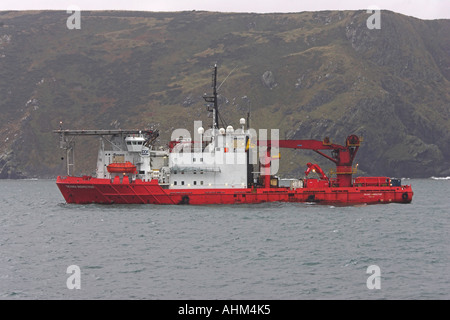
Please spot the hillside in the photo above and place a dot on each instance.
(309, 74)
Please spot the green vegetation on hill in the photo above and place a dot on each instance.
(309, 74)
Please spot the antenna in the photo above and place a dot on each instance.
(226, 78)
(213, 99)
(216, 105)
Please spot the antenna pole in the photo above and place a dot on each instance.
(213, 99)
(216, 109)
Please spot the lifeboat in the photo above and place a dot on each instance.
(122, 167)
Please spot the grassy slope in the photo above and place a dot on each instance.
(334, 77)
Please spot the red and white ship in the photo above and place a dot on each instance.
(217, 167)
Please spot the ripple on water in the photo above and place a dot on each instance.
(266, 251)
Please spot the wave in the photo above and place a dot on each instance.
(440, 178)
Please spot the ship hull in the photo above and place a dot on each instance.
(83, 190)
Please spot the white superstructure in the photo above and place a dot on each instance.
(219, 162)
(219, 159)
(135, 149)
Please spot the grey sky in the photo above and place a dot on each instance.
(424, 9)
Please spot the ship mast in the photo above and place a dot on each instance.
(213, 99)
(216, 108)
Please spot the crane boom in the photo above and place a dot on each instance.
(342, 156)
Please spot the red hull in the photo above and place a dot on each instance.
(92, 190)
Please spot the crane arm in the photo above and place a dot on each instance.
(308, 144)
(315, 168)
(342, 156)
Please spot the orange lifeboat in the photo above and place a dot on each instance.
(122, 167)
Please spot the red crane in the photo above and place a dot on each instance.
(342, 156)
(315, 168)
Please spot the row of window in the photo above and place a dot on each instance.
(193, 160)
(182, 183)
(182, 172)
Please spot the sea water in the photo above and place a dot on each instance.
(281, 251)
